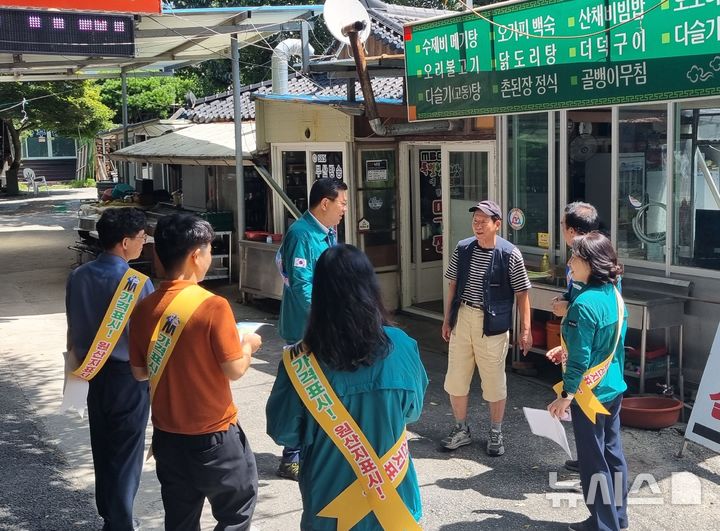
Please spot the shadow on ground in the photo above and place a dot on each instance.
(39, 497)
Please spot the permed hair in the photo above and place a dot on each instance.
(597, 250)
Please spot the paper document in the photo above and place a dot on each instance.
(249, 328)
(75, 395)
(542, 423)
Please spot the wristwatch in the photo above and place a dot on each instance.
(565, 394)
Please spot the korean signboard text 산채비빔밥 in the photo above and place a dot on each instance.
(553, 54)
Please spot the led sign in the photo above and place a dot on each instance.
(117, 6)
(66, 33)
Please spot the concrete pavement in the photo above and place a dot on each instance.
(46, 466)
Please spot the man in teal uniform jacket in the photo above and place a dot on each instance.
(304, 242)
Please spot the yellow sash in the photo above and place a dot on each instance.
(586, 399)
(169, 328)
(375, 487)
(113, 323)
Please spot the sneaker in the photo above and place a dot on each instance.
(458, 437)
(289, 471)
(495, 445)
(572, 465)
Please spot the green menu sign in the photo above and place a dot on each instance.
(553, 54)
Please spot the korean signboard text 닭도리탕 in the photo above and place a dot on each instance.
(552, 54)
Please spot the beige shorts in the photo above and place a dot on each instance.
(469, 348)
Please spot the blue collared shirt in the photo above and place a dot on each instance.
(90, 289)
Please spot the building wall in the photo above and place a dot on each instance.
(51, 169)
(280, 122)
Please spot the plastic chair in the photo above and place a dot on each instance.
(35, 182)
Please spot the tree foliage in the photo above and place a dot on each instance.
(147, 97)
(68, 108)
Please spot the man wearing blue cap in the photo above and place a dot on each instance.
(487, 274)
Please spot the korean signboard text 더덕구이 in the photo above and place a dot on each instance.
(553, 54)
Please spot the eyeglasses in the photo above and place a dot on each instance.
(481, 221)
(143, 237)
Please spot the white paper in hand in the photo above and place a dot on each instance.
(75, 396)
(542, 423)
(249, 328)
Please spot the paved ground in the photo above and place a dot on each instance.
(46, 468)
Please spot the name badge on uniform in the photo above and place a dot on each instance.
(572, 323)
(300, 262)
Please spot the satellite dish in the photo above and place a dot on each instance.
(341, 13)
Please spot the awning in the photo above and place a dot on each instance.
(165, 42)
(199, 145)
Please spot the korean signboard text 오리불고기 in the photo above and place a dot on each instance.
(553, 54)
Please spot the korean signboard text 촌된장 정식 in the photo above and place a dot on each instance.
(553, 54)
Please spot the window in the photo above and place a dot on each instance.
(63, 147)
(43, 145)
(642, 185)
(528, 179)
(696, 207)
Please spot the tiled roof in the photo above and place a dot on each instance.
(219, 108)
(388, 19)
(387, 25)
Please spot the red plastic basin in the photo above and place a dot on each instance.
(650, 412)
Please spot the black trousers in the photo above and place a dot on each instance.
(218, 466)
(118, 407)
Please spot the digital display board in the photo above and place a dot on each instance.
(116, 6)
(553, 54)
(67, 33)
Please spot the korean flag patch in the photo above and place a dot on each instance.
(300, 262)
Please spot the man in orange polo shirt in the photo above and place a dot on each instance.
(199, 447)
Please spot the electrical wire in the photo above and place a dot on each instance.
(28, 100)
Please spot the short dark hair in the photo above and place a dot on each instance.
(116, 224)
(347, 316)
(581, 217)
(325, 187)
(178, 235)
(597, 250)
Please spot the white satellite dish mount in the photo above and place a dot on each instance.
(340, 14)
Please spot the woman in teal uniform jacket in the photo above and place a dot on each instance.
(374, 369)
(593, 329)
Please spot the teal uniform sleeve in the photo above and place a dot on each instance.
(284, 412)
(414, 399)
(299, 266)
(578, 332)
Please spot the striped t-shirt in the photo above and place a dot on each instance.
(479, 264)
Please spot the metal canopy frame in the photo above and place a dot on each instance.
(165, 42)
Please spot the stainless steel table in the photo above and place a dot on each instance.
(258, 273)
(646, 311)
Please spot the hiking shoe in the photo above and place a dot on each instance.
(289, 471)
(495, 445)
(458, 437)
(572, 465)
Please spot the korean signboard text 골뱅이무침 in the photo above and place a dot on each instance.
(553, 54)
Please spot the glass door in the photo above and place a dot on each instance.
(426, 226)
(377, 207)
(469, 176)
